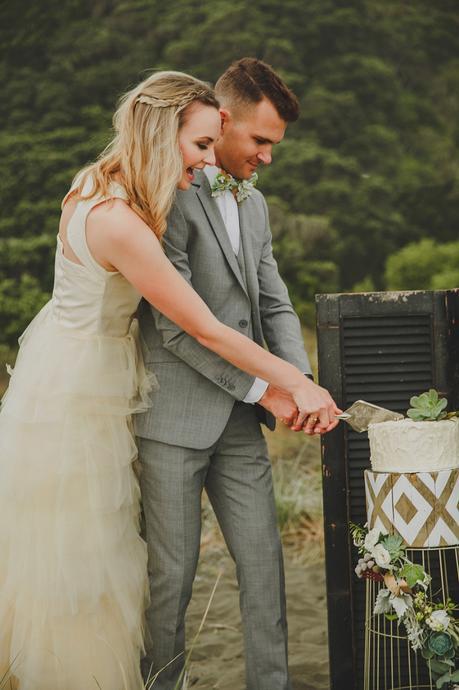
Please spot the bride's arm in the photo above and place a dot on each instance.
(116, 235)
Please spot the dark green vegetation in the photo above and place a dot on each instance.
(370, 167)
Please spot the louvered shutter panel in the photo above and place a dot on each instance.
(383, 348)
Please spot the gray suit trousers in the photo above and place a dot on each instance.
(236, 474)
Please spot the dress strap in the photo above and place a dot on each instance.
(76, 229)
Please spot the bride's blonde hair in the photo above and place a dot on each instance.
(144, 155)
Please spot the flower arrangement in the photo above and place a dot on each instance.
(431, 627)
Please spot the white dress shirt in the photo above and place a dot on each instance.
(227, 205)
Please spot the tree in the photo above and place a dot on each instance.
(373, 156)
(424, 265)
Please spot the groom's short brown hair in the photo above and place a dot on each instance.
(248, 81)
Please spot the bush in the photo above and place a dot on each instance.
(424, 265)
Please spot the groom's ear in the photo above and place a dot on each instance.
(225, 118)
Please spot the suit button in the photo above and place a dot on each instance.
(243, 323)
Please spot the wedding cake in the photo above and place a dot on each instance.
(409, 446)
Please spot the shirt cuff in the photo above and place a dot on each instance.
(257, 391)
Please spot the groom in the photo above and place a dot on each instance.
(203, 430)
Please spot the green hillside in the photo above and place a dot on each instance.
(370, 167)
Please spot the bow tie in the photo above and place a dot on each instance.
(242, 189)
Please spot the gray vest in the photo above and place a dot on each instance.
(241, 263)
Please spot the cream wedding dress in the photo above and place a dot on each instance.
(73, 568)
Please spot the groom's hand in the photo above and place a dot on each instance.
(280, 404)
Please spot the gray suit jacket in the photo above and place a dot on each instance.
(197, 387)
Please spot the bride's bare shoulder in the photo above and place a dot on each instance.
(114, 229)
(115, 220)
(111, 211)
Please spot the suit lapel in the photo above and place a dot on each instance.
(246, 226)
(218, 226)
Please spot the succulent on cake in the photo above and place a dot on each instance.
(429, 407)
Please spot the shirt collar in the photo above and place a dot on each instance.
(211, 172)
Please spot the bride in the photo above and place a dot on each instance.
(73, 577)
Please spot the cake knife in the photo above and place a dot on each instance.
(361, 414)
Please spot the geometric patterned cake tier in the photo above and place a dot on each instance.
(422, 507)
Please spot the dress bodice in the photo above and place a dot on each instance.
(87, 297)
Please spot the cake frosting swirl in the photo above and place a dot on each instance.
(409, 446)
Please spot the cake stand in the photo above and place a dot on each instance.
(422, 508)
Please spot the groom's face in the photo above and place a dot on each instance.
(247, 137)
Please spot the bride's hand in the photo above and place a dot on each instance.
(316, 409)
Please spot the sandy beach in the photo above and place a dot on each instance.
(217, 658)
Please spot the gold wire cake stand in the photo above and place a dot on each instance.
(390, 663)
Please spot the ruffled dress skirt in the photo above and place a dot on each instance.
(73, 568)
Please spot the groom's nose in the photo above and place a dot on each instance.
(265, 157)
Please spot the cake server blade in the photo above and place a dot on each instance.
(361, 414)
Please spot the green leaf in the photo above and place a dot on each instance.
(415, 415)
(412, 573)
(438, 409)
(442, 680)
(438, 666)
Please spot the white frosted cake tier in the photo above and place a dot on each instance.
(408, 446)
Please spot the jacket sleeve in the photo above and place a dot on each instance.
(231, 379)
(280, 323)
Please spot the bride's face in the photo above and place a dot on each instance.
(197, 136)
